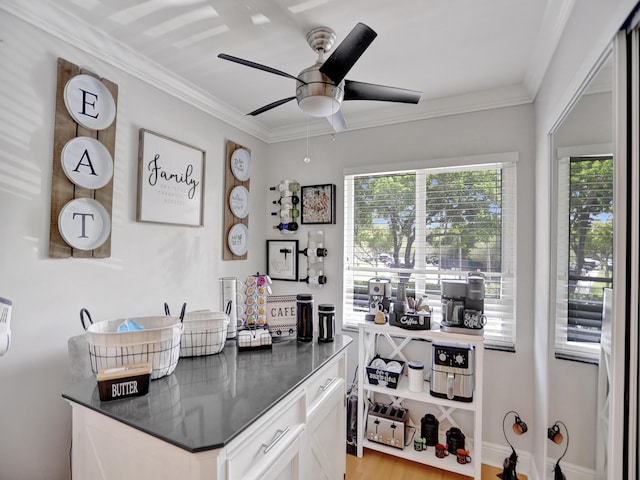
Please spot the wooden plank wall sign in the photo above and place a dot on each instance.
(83, 164)
(237, 198)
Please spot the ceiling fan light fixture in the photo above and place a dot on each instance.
(319, 106)
(318, 96)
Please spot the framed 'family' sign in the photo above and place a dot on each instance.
(171, 181)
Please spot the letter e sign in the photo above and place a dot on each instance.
(89, 102)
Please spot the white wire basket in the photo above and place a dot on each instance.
(158, 342)
(205, 333)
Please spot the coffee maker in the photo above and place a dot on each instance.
(463, 304)
(379, 298)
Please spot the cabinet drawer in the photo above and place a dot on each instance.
(259, 447)
(321, 382)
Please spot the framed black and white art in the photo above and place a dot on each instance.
(282, 260)
(318, 204)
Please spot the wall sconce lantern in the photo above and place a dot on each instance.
(509, 465)
(554, 434)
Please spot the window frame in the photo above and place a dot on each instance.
(563, 349)
(508, 162)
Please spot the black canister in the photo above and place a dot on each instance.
(326, 322)
(304, 321)
(429, 429)
(455, 439)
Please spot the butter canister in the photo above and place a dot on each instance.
(124, 381)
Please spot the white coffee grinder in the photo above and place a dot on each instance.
(379, 298)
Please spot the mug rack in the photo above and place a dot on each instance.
(315, 253)
(288, 206)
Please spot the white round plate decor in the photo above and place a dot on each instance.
(89, 102)
(238, 239)
(241, 164)
(84, 224)
(87, 162)
(239, 201)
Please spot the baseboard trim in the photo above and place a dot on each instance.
(494, 455)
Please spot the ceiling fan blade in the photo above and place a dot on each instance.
(369, 91)
(348, 52)
(251, 64)
(337, 121)
(270, 106)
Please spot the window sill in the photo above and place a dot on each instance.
(576, 358)
(352, 327)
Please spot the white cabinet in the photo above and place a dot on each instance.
(256, 453)
(303, 436)
(288, 465)
(326, 431)
(449, 412)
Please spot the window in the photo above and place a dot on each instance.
(584, 253)
(421, 226)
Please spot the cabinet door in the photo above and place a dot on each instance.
(325, 457)
(260, 447)
(287, 467)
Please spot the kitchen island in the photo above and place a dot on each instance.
(236, 415)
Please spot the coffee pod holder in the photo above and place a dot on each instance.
(254, 333)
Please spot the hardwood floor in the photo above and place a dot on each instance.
(378, 466)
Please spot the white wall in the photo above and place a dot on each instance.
(591, 27)
(508, 376)
(149, 263)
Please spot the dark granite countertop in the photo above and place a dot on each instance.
(207, 401)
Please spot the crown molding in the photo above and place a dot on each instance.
(50, 18)
(555, 19)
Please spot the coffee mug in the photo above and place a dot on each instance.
(474, 319)
(463, 456)
(519, 427)
(554, 434)
(419, 444)
(441, 450)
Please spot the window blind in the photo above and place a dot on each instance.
(423, 226)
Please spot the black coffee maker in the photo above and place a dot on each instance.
(429, 429)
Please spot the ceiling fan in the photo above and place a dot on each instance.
(321, 88)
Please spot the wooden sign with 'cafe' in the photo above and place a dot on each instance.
(83, 164)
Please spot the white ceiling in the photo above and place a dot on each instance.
(463, 55)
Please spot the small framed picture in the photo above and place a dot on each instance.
(282, 260)
(318, 204)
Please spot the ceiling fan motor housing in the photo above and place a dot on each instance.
(318, 96)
